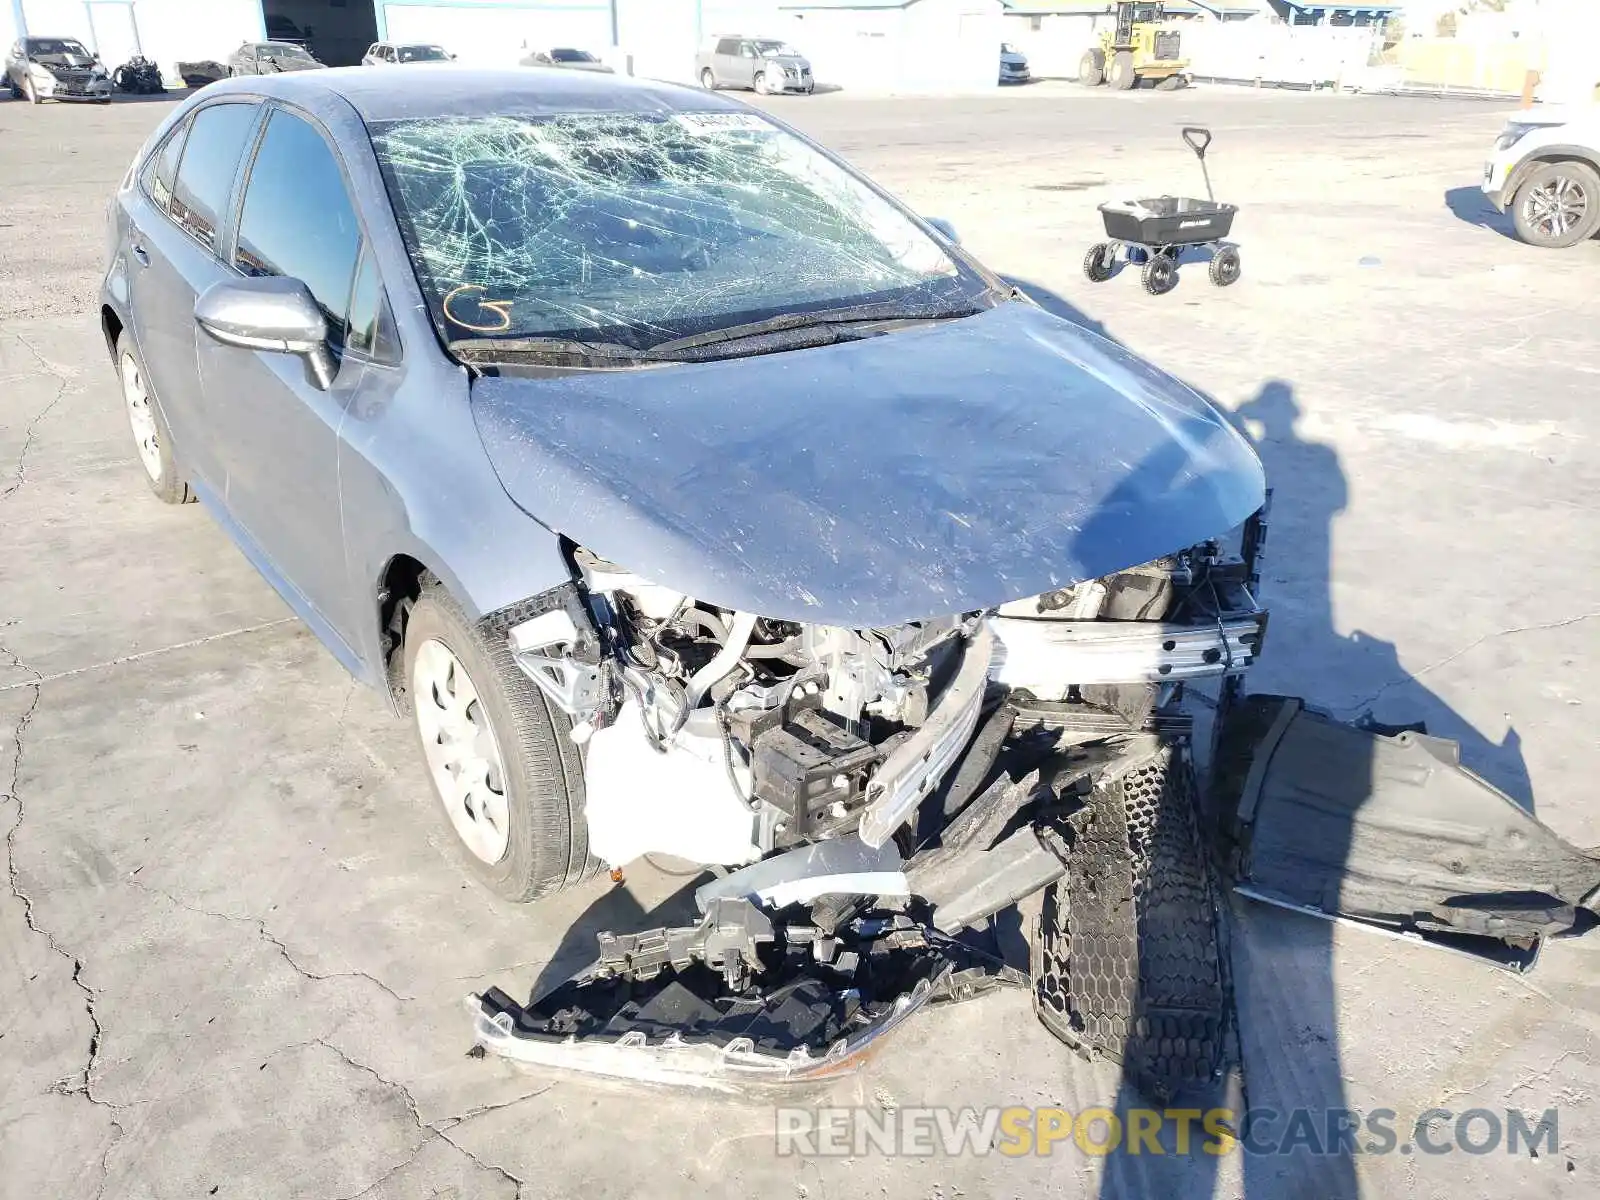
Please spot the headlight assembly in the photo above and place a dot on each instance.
(1514, 133)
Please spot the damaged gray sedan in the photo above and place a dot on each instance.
(693, 497)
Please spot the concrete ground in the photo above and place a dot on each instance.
(234, 948)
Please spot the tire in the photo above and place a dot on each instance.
(1095, 265)
(760, 83)
(152, 440)
(1224, 268)
(1092, 68)
(1120, 75)
(1160, 274)
(1170, 84)
(545, 846)
(708, 80)
(1557, 205)
(16, 92)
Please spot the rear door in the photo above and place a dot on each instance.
(278, 433)
(175, 222)
(725, 61)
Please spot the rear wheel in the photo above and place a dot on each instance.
(508, 778)
(1092, 68)
(1557, 206)
(1097, 263)
(152, 441)
(1120, 75)
(708, 80)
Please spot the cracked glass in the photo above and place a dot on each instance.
(639, 228)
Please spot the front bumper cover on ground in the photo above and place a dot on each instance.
(1130, 962)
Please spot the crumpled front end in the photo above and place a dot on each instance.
(883, 790)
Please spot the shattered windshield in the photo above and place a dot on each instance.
(777, 50)
(641, 228)
(285, 50)
(65, 49)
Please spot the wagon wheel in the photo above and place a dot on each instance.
(1097, 263)
(1160, 274)
(1225, 266)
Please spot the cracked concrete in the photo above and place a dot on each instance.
(233, 952)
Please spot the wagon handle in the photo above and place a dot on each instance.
(1199, 139)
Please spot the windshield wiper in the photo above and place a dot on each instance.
(786, 322)
(570, 351)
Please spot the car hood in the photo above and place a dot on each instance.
(936, 470)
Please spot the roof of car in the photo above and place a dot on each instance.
(457, 91)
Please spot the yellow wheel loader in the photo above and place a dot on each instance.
(1144, 45)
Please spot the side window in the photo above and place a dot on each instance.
(728, 46)
(161, 169)
(210, 160)
(297, 219)
(371, 325)
(372, 50)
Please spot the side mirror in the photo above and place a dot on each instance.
(273, 314)
(946, 230)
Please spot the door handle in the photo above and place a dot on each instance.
(140, 254)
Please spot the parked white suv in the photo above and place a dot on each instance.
(1545, 171)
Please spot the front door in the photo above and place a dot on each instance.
(278, 431)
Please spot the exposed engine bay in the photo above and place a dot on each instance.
(884, 792)
(760, 734)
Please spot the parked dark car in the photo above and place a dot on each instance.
(566, 57)
(648, 456)
(51, 68)
(271, 58)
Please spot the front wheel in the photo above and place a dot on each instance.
(504, 770)
(1092, 68)
(1160, 274)
(761, 83)
(1120, 74)
(1557, 206)
(152, 441)
(708, 80)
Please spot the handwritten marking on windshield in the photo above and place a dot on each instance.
(500, 308)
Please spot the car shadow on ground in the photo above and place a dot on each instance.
(1469, 204)
(1284, 961)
